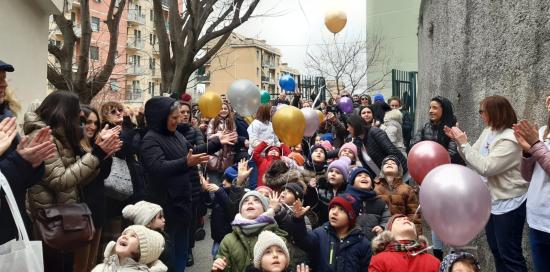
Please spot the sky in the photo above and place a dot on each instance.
(297, 26)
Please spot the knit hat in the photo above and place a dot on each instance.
(342, 164)
(349, 203)
(267, 239)
(356, 172)
(316, 147)
(327, 137)
(327, 145)
(273, 147)
(397, 161)
(350, 146)
(263, 187)
(378, 97)
(151, 243)
(450, 259)
(297, 157)
(262, 198)
(141, 213)
(296, 189)
(390, 222)
(230, 173)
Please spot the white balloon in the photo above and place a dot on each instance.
(244, 97)
(312, 121)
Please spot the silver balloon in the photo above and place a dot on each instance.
(312, 121)
(244, 97)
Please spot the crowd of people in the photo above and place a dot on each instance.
(116, 188)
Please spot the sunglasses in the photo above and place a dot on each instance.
(116, 110)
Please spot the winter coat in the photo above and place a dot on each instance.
(326, 194)
(164, 155)
(93, 194)
(263, 162)
(226, 152)
(258, 132)
(378, 147)
(374, 211)
(238, 248)
(64, 173)
(251, 268)
(284, 220)
(432, 132)
(400, 198)
(392, 126)
(500, 166)
(386, 260)
(222, 214)
(328, 252)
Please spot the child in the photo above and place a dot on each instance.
(270, 254)
(236, 248)
(278, 174)
(337, 175)
(374, 213)
(271, 153)
(399, 248)
(297, 155)
(400, 197)
(337, 245)
(316, 166)
(459, 262)
(145, 214)
(137, 249)
(349, 150)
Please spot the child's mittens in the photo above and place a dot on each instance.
(158, 266)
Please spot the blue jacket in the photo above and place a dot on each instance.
(329, 253)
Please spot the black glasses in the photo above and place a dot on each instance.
(116, 110)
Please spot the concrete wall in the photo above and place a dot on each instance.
(472, 49)
(24, 43)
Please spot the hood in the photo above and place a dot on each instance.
(383, 239)
(359, 194)
(32, 122)
(157, 110)
(277, 181)
(394, 115)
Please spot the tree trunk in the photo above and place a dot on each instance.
(472, 49)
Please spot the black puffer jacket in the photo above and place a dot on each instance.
(374, 211)
(378, 147)
(432, 132)
(164, 156)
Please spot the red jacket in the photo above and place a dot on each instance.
(264, 162)
(393, 261)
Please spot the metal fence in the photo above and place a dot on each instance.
(404, 87)
(309, 87)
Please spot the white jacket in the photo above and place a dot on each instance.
(258, 132)
(501, 166)
(392, 125)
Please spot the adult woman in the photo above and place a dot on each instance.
(223, 123)
(94, 192)
(70, 168)
(367, 115)
(169, 160)
(373, 145)
(536, 169)
(496, 157)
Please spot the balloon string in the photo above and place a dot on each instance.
(421, 251)
(417, 210)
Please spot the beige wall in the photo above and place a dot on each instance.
(24, 42)
(230, 65)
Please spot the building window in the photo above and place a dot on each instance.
(152, 88)
(114, 85)
(257, 54)
(151, 15)
(94, 52)
(116, 57)
(95, 24)
(152, 63)
(135, 85)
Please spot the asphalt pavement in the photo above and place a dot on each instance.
(202, 250)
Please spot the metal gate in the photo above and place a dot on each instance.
(404, 87)
(307, 85)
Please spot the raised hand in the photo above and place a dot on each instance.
(274, 202)
(229, 138)
(8, 131)
(312, 183)
(195, 159)
(243, 172)
(37, 150)
(302, 268)
(377, 229)
(106, 133)
(449, 132)
(527, 131)
(299, 210)
(219, 264)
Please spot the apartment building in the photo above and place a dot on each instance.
(136, 75)
(243, 58)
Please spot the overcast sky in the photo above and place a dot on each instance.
(296, 30)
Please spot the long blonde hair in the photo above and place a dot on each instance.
(12, 102)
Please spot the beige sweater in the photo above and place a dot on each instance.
(501, 166)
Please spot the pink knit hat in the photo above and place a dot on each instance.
(349, 146)
(327, 145)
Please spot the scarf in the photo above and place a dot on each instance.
(412, 246)
(252, 226)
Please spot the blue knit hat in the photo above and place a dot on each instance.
(230, 173)
(342, 164)
(356, 172)
(378, 97)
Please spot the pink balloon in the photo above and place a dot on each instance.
(455, 202)
(312, 121)
(425, 156)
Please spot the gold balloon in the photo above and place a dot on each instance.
(321, 116)
(210, 104)
(335, 20)
(289, 124)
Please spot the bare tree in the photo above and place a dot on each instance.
(348, 62)
(81, 80)
(202, 21)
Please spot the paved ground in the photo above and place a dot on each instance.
(202, 251)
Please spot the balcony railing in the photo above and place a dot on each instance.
(265, 79)
(268, 64)
(134, 70)
(134, 44)
(135, 17)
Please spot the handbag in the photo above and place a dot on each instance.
(65, 227)
(23, 254)
(221, 161)
(118, 185)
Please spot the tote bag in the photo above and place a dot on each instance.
(118, 185)
(23, 254)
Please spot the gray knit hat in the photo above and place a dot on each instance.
(262, 198)
(267, 239)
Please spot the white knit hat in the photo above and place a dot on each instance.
(151, 243)
(141, 213)
(267, 239)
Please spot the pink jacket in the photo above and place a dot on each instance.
(539, 153)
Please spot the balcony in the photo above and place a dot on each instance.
(77, 30)
(135, 17)
(269, 64)
(203, 78)
(134, 70)
(265, 79)
(134, 44)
